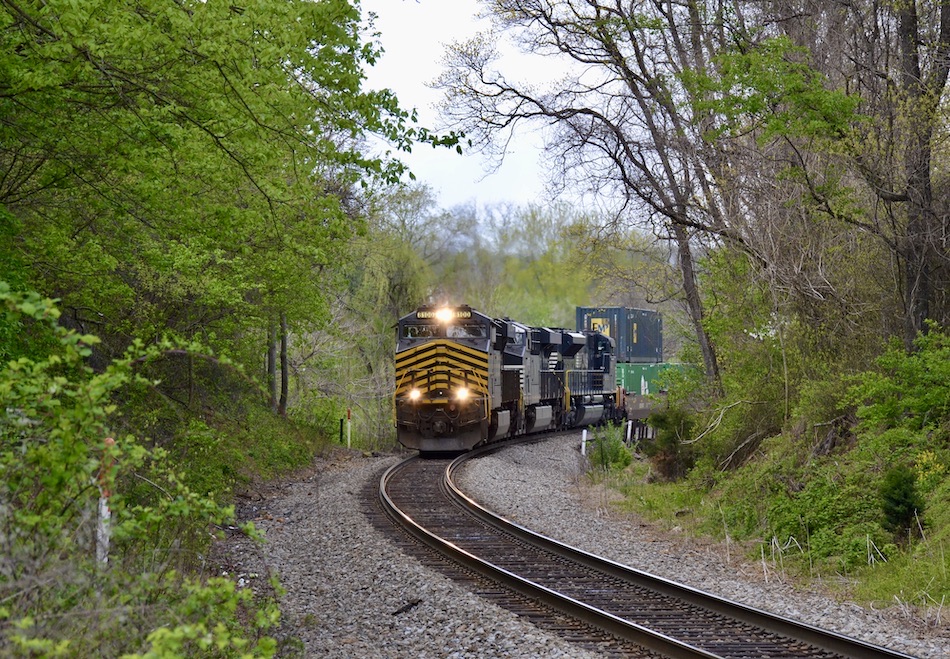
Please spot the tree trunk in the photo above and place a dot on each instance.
(923, 91)
(284, 371)
(694, 304)
(917, 252)
(272, 365)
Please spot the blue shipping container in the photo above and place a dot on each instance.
(637, 333)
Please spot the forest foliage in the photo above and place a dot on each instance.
(176, 180)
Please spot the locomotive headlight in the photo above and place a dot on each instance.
(462, 394)
(444, 315)
(415, 395)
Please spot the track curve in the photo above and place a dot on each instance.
(645, 613)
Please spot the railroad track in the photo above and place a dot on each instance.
(596, 603)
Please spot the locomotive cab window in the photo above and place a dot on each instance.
(520, 337)
(419, 331)
(467, 331)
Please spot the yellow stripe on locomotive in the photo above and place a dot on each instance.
(439, 368)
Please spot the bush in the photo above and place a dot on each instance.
(910, 390)
(609, 452)
(901, 504)
(58, 597)
(669, 451)
(827, 491)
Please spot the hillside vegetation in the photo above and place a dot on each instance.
(858, 502)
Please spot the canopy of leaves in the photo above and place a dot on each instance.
(185, 166)
(769, 87)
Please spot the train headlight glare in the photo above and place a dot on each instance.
(462, 394)
(415, 395)
(444, 315)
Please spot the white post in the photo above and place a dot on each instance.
(347, 427)
(629, 430)
(103, 530)
(584, 442)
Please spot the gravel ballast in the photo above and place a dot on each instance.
(350, 592)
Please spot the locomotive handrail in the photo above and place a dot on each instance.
(567, 391)
(395, 394)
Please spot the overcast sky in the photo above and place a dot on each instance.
(413, 34)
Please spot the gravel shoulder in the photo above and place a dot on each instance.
(351, 593)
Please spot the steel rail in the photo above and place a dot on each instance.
(624, 629)
(815, 636)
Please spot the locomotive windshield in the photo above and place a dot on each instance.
(457, 324)
(420, 331)
(467, 331)
(430, 331)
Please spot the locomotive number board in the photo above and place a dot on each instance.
(445, 313)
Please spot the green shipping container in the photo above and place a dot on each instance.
(640, 379)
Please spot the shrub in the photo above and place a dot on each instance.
(57, 594)
(669, 451)
(930, 471)
(911, 390)
(609, 452)
(832, 515)
(901, 504)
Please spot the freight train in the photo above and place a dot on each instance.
(464, 378)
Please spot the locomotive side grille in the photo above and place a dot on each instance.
(438, 365)
(587, 382)
(552, 384)
(512, 382)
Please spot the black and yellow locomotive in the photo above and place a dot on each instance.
(464, 378)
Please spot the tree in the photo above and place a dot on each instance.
(618, 118)
(411, 214)
(541, 282)
(876, 163)
(187, 166)
(901, 503)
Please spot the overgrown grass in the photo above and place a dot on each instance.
(671, 504)
(220, 432)
(223, 456)
(738, 512)
(920, 575)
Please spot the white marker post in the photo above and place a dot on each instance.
(584, 442)
(629, 430)
(348, 427)
(103, 530)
